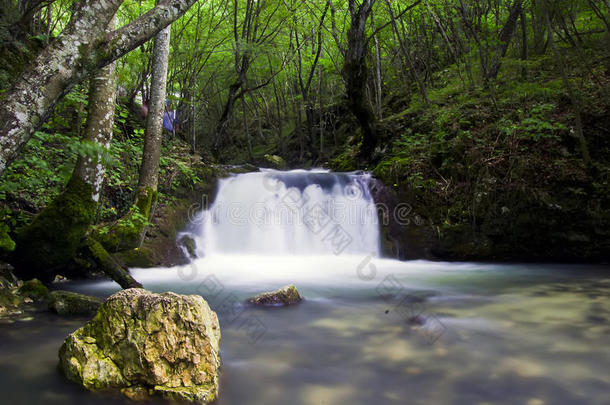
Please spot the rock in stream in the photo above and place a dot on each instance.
(287, 295)
(144, 344)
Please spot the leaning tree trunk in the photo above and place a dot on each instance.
(227, 111)
(53, 238)
(82, 47)
(505, 37)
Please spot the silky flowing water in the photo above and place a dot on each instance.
(370, 330)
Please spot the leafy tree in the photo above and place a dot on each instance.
(83, 45)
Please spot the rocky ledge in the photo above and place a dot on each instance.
(144, 344)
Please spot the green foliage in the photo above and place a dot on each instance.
(34, 289)
(180, 174)
(521, 92)
(124, 233)
(539, 124)
(7, 223)
(43, 168)
(463, 149)
(407, 162)
(127, 231)
(346, 161)
(6, 243)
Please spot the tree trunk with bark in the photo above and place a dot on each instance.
(355, 74)
(505, 37)
(149, 171)
(253, 32)
(82, 47)
(227, 111)
(51, 241)
(146, 193)
(129, 231)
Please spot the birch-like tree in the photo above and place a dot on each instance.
(146, 193)
(82, 47)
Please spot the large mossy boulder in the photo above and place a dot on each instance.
(53, 237)
(71, 303)
(287, 295)
(144, 344)
(34, 288)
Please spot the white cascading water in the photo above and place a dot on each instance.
(299, 212)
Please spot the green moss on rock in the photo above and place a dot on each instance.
(287, 295)
(71, 303)
(276, 162)
(143, 344)
(53, 237)
(159, 248)
(138, 257)
(189, 245)
(6, 243)
(34, 288)
(127, 232)
(123, 234)
(8, 299)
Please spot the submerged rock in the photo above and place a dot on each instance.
(144, 344)
(71, 303)
(288, 295)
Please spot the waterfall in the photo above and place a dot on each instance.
(297, 212)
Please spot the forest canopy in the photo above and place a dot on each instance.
(490, 117)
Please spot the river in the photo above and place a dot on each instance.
(369, 331)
